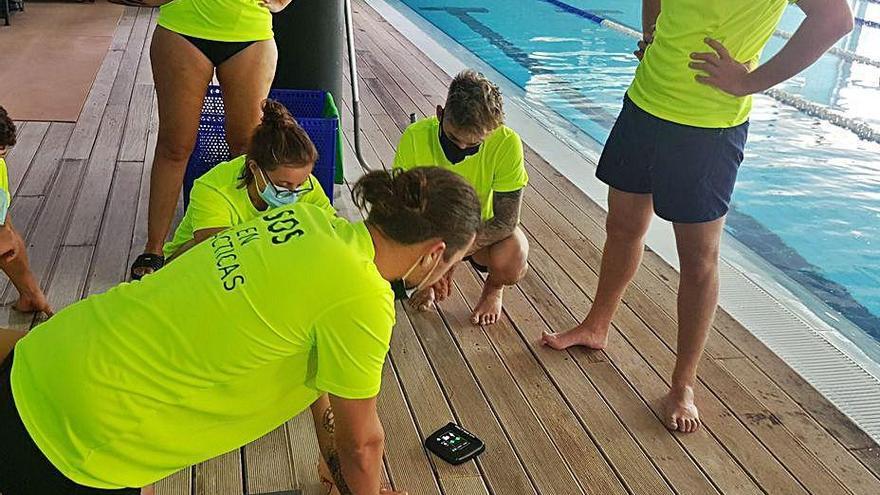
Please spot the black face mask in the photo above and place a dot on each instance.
(453, 153)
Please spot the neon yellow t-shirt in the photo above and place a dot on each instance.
(497, 167)
(5, 197)
(209, 353)
(218, 20)
(664, 85)
(217, 201)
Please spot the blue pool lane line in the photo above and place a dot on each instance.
(597, 18)
(591, 110)
(867, 23)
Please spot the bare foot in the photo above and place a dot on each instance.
(488, 308)
(33, 303)
(679, 411)
(585, 334)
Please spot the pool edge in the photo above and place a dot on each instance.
(751, 293)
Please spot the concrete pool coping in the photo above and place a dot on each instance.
(813, 339)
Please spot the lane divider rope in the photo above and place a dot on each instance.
(860, 128)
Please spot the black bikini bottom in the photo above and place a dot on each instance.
(218, 51)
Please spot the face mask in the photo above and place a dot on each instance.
(276, 196)
(453, 153)
(399, 286)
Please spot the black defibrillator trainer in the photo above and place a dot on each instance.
(454, 444)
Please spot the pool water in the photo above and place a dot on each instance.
(808, 194)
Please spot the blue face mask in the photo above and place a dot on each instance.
(276, 196)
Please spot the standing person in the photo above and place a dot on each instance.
(13, 253)
(194, 39)
(676, 148)
(468, 137)
(276, 171)
(228, 342)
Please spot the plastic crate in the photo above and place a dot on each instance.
(301, 103)
(308, 109)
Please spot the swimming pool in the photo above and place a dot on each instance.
(808, 195)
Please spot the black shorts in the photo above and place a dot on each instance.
(24, 470)
(478, 267)
(689, 171)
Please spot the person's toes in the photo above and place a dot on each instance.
(681, 424)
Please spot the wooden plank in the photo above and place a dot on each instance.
(772, 365)
(408, 465)
(588, 240)
(45, 165)
(65, 287)
(682, 472)
(642, 429)
(268, 463)
(123, 29)
(814, 404)
(179, 483)
(110, 265)
(716, 417)
(89, 207)
(144, 70)
(21, 155)
(120, 93)
(551, 405)
(86, 131)
(134, 141)
(44, 241)
(23, 213)
(536, 450)
(416, 83)
(139, 236)
(381, 151)
(870, 457)
(770, 430)
(428, 402)
(500, 465)
(780, 441)
(843, 464)
(304, 454)
(220, 476)
(410, 53)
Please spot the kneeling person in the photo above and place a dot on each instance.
(227, 343)
(276, 171)
(468, 137)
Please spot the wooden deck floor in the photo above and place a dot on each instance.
(554, 423)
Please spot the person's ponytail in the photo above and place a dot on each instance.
(279, 140)
(420, 204)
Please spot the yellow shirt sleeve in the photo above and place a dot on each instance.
(209, 209)
(510, 174)
(405, 156)
(352, 339)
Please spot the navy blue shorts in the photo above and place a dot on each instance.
(689, 171)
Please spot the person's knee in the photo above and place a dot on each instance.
(699, 266)
(174, 150)
(509, 264)
(626, 230)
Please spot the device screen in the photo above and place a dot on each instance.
(452, 441)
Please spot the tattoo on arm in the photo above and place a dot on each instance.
(336, 470)
(331, 456)
(507, 207)
(329, 424)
